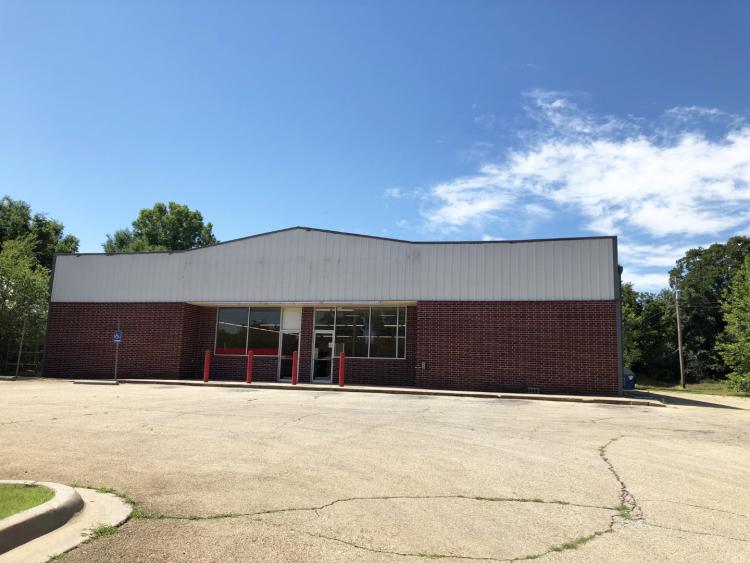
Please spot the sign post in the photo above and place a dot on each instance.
(117, 338)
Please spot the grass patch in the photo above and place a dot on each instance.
(568, 545)
(215, 516)
(511, 499)
(623, 511)
(574, 544)
(100, 531)
(17, 498)
(703, 388)
(136, 513)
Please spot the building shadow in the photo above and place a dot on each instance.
(680, 401)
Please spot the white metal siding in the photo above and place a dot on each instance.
(302, 266)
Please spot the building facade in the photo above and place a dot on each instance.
(539, 315)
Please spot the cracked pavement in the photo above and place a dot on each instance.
(270, 475)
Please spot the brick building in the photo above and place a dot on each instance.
(498, 315)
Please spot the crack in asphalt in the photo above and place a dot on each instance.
(698, 506)
(626, 497)
(697, 533)
(633, 512)
(51, 419)
(294, 421)
(317, 509)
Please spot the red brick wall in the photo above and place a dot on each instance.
(305, 345)
(557, 346)
(79, 339)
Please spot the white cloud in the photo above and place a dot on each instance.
(393, 193)
(468, 199)
(686, 113)
(649, 182)
(611, 171)
(648, 255)
(477, 152)
(646, 282)
(539, 211)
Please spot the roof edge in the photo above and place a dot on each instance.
(332, 232)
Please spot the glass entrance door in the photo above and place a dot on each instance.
(289, 345)
(322, 354)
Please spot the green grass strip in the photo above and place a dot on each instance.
(17, 498)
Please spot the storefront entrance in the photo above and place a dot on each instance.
(322, 355)
(288, 345)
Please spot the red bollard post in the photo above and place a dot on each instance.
(206, 365)
(294, 368)
(342, 365)
(249, 372)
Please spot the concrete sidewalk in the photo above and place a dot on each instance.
(400, 391)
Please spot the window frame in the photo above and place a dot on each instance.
(247, 332)
(216, 331)
(369, 329)
(278, 343)
(282, 332)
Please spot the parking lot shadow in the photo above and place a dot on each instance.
(682, 401)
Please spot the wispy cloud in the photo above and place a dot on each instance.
(485, 119)
(613, 172)
(645, 282)
(646, 255)
(674, 179)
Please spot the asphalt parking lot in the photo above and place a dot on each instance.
(272, 475)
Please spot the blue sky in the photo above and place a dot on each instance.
(416, 120)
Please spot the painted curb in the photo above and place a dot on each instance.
(25, 526)
(404, 391)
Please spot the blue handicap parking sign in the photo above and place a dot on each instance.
(118, 336)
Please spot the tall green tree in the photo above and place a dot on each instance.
(703, 276)
(734, 345)
(171, 226)
(656, 336)
(48, 236)
(24, 291)
(631, 320)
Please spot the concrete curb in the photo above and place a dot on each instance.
(8, 378)
(96, 381)
(401, 391)
(25, 526)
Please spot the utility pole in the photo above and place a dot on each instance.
(679, 337)
(20, 346)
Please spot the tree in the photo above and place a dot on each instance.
(703, 275)
(47, 235)
(734, 345)
(631, 320)
(656, 336)
(163, 227)
(24, 291)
